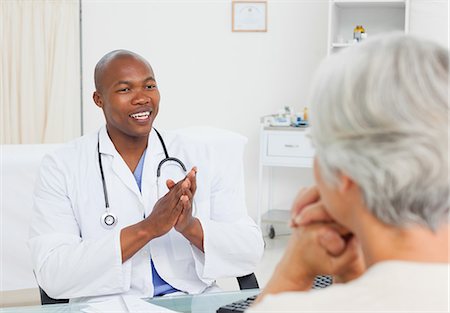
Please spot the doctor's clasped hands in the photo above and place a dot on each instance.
(173, 210)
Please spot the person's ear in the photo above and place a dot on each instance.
(98, 99)
(346, 183)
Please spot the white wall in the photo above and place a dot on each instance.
(209, 75)
(429, 18)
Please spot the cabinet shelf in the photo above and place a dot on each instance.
(276, 216)
(376, 16)
(341, 45)
(368, 4)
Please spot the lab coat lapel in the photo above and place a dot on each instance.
(119, 167)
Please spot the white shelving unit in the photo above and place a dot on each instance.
(376, 16)
(280, 147)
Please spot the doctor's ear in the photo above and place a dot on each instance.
(97, 99)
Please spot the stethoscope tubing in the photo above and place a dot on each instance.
(109, 219)
(105, 191)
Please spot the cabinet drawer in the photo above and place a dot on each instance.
(289, 145)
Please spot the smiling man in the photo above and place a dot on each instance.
(106, 224)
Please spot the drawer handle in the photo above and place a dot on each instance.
(291, 146)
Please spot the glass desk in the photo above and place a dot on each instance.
(202, 303)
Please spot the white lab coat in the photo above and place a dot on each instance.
(75, 256)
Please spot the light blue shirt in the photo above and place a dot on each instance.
(160, 285)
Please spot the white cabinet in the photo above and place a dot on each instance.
(280, 146)
(286, 146)
(376, 16)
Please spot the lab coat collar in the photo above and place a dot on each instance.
(154, 146)
(118, 165)
(106, 144)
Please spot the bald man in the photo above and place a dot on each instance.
(103, 226)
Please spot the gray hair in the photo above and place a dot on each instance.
(380, 115)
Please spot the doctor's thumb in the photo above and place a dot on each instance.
(170, 183)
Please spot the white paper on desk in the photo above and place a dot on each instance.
(124, 304)
(137, 305)
(110, 305)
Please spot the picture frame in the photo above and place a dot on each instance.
(249, 16)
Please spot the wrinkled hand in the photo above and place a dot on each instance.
(305, 197)
(337, 241)
(318, 246)
(306, 258)
(185, 219)
(167, 209)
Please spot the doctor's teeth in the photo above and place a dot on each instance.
(140, 115)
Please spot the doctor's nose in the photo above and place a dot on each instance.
(141, 99)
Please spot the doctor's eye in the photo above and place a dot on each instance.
(150, 86)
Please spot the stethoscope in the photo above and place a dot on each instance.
(109, 219)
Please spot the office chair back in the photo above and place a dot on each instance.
(245, 282)
(45, 299)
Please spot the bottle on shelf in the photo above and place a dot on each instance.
(305, 114)
(359, 33)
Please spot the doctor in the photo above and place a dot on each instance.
(104, 224)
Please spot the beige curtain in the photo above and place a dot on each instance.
(40, 71)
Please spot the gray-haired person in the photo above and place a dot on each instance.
(378, 218)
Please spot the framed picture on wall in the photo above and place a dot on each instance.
(249, 16)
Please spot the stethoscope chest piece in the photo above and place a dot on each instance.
(109, 220)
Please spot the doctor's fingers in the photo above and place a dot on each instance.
(181, 186)
(189, 194)
(172, 197)
(187, 205)
(186, 209)
(174, 212)
(305, 197)
(192, 176)
(170, 183)
(179, 208)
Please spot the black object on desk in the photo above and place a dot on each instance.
(238, 306)
(321, 281)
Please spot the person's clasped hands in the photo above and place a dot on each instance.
(174, 209)
(318, 245)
